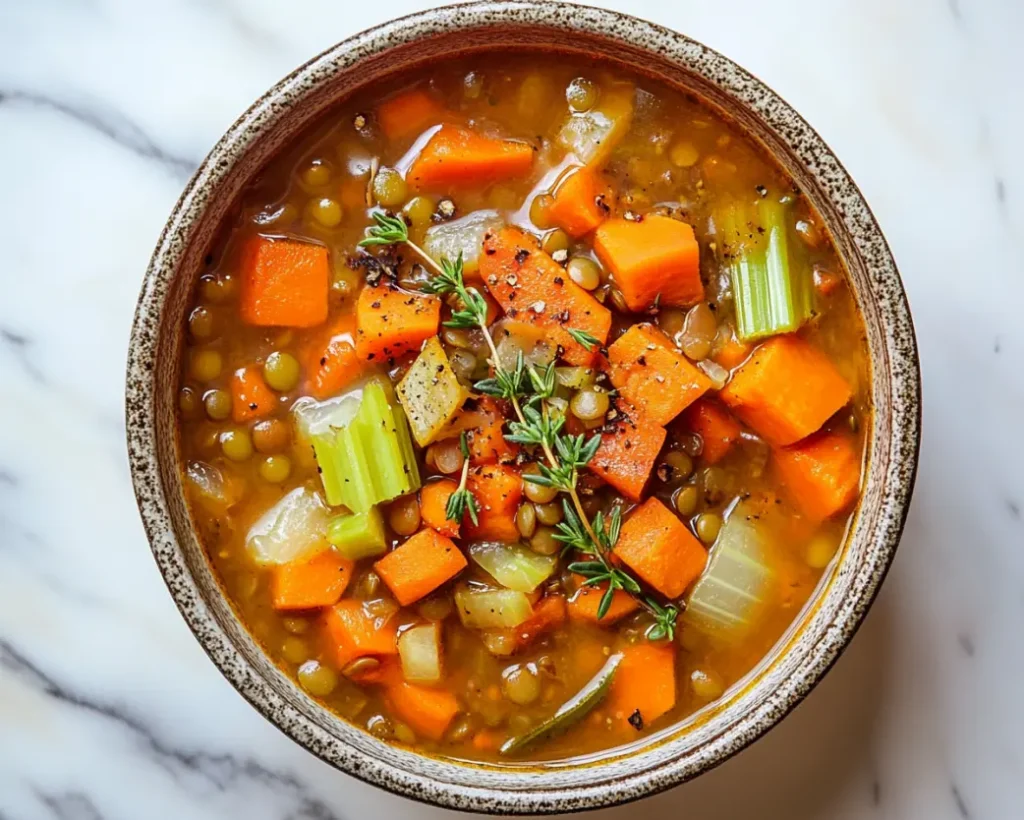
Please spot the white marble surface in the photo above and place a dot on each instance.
(109, 708)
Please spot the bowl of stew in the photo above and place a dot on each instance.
(523, 407)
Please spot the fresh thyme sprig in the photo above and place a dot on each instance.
(463, 501)
(526, 388)
(588, 340)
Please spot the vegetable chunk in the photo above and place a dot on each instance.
(390, 321)
(408, 113)
(534, 289)
(331, 363)
(498, 490)
(786, 390)
(645, 684)
(656, 258)
(821, 474)
(458, 156)
(627, 453)
(434, 506)
(716, 428)
(352, 632)
(463, 236)
(250, 396)
(427, 710)
(318, 582)
(284, 283)
(659, 548)
(420, 565)
(592, 135)
(649, 372)
(576, 206)
(585, 601)
(430, 392)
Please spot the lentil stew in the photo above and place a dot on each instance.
(522, 408)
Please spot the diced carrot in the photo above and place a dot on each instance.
(627, 453)
(497, 490)
(284, 282)
(250, 396)
(650, 258)
(483, 423)
(434, 497)
(786, 390)
(645, 682)
(390, 321)
(534, 289)
(427, 710)
(576, 206)
(408, 112)
(584, 603)
(459, 156)
(420, 565)
(821, 474)
(331, 362)
(352, 633)
(660, 548)
(548, 614)
(318, 582)
(716, 428)
(486, 740)
(731, 354)
(651, 373)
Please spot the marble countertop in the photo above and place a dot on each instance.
(109, 708)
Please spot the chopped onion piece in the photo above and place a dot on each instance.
(732, 590)
(465, 236)
(294, 528)
(419, 649)
(512, 565)
(492, 608)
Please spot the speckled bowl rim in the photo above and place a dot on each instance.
(677, 754)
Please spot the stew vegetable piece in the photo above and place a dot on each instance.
(522, 408)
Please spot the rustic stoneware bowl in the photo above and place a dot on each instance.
(819, 634)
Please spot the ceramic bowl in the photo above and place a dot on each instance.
(819, 634)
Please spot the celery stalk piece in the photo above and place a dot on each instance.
(358, 535)
(773, 293)
(369, 460)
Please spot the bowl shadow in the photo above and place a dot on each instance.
(805, 763)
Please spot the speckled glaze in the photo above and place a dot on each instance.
(818, 635)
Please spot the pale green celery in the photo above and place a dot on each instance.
(772, 292)
(358, 535)
(370, 460)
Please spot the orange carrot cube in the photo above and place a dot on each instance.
(579, 203)
(786, 390)
(284, 282)
(821, 474)
(458, 156)
(390, 322)
(651, 374)
(317, 582)
(644, 687)
(652, 258)
(351, 632)
(420, 565)
(716, 428)
(534, 289)
(627, 453)
(250, 396)
(659, 548)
